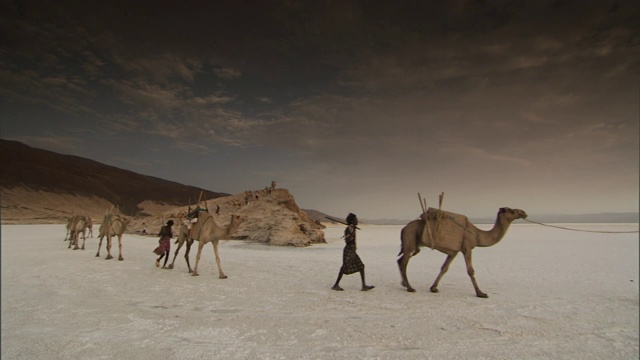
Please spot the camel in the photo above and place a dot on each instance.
(76, 226)
(206, 230)
(112, 225)
(412, 238)
(70, 222)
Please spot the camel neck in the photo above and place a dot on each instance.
(493, 236)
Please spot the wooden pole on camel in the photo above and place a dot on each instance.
(423, 203)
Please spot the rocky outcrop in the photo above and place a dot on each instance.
(275, 219)
(272, 217)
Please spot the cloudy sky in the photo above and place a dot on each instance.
(354, 106)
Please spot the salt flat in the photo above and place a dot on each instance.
(553, 294)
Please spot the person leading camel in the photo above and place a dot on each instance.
(351, 262)
(164, 244)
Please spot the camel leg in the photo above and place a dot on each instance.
(215, 252)
(403, 261)
(77, 239)
(109, 248)
(186, 254)
(195, 269)
(120, 258)
(471, 273)
(99, 246)
(84, 239)
(175, 255)
(443, 270)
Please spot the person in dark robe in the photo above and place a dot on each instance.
(351, 262)
(164, 244)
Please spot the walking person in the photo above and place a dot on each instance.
(351, 262)
(164, 244)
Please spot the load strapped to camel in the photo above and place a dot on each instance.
(441, 225)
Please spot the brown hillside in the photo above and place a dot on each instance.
(49, 187)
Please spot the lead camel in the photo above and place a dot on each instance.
(411, 240)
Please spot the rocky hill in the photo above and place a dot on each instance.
(39, 186)
(272, 217)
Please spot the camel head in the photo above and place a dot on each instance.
(236, 220)
(509, 214)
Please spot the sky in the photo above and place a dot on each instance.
(353, 106)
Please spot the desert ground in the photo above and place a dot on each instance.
(553, 294)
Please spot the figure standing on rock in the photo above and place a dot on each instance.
(351, 262)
